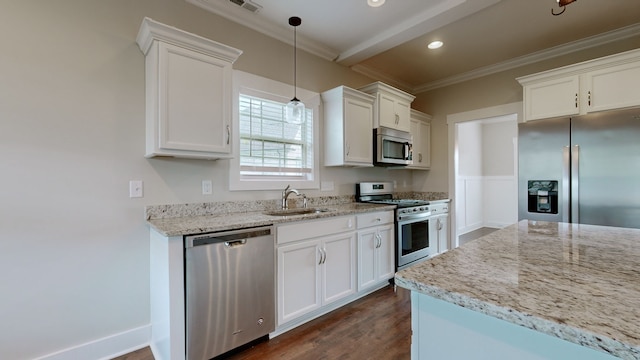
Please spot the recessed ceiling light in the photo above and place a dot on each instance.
(375, 3)
(435, 44)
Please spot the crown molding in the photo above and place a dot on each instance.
(560, 50)
(381, 76)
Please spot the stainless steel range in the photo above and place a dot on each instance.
(411, 225)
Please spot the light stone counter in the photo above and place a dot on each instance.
(198, 224)
(197, 218)
(580, 283)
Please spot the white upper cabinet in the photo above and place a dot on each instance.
(601, 84)
(552, 98)
(614, 87)
(421, 131)
(348, 127)
(392, 106)
(188, 93)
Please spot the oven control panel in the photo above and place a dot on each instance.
(413, 210)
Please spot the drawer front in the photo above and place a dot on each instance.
(287, 233)
(374, 219)
(439, 209)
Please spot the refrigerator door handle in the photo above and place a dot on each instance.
(575, 186)
(566, 179)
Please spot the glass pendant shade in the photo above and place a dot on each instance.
(295, 108)
(295, 111)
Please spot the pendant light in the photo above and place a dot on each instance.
(295, 107)
(562, 4)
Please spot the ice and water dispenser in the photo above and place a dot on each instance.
(543, 196)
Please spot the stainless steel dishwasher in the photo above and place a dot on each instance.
(230, 290)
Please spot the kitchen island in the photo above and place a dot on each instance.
(534, 290)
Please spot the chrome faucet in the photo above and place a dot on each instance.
(285, 194)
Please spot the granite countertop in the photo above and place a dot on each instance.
(580, 283)
(197, 224)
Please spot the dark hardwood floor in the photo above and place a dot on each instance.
(377, 326)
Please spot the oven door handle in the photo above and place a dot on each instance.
(412, 218)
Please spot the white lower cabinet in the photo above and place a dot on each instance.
(376, 262)
(316, 263)
(439, 227)
(441, 232)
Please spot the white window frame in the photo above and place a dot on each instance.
(258, 86)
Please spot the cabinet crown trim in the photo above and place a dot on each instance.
(379, 86)
(418, 115)
(151, 30)
(582, 67)
(340, 91)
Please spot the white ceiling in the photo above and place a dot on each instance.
(389, 42)
(346, 31)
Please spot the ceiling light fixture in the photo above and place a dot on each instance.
(375, 3)
(295, 107)
(562, 4)
(435, 44)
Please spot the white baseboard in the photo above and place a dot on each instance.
(107, 347)
(497, 225)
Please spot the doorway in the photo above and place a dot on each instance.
(483, 170)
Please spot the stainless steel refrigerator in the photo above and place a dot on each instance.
(583, 169)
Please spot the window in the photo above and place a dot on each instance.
(271, 153)
(269, 146)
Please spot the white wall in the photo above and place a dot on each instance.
(74, 254)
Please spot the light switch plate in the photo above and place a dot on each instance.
(207, 187)
(135, 189)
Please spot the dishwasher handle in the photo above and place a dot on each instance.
(235, 243)
(229, 238)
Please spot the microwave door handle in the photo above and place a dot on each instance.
(407, 151)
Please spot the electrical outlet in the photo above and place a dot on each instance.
(207, 187)
(135, 189)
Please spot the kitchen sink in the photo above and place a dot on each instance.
(300, 211)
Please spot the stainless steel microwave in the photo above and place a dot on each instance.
(392, 147)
